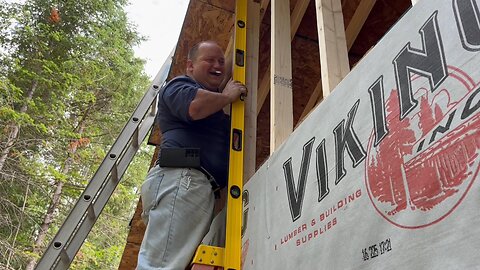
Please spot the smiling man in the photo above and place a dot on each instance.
(178, 201)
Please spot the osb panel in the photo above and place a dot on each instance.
(266, 18)
(264, 51)
(137, 228)
(382, 17)
(308, 25)
(306, 73)
(228, 5)
(203, 22)
(348, 9)
(155, 136)
(263, 118)
(129, 258)
(134, 239)
(263, 133)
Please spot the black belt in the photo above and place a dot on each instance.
(215, 187)
(186, 158)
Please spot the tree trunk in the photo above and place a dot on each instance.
(12, 250)
(50, 215)
(15, 129)
(47, 220)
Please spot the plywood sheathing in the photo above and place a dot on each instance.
(382, 17)
(134, 240)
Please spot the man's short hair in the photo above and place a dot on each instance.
(192, 53)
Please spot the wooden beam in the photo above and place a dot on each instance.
(263, 8)
(253, 42)
(353, 28)
(312, 101)
(296, 18)
(228, 63)
(281, 96)
(263, 89)
(332, 44)
(357, 21)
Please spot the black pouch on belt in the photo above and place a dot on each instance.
(180, 157)
(186, 158)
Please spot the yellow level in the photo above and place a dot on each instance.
(229, 257)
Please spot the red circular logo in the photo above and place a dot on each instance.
(420, 172)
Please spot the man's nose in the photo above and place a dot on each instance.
(218, 64)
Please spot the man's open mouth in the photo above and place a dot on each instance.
(216, 73)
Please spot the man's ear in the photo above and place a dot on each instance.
(189, 65)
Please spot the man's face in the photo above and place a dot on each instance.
(208, 67)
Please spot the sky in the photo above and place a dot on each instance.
(161, 21)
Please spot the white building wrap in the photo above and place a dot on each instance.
(384, 173)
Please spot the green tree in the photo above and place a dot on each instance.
(69, 83)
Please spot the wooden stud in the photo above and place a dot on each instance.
(281, 96)
(263, 89)
(353, 28)
(297, 16)
(312, 101)
(263, 8)
(332, 44)
(296, 19)
(253, 42)
(357, 21)
(229, 67)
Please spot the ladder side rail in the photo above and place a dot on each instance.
(73, 225)
(79, 211)
(86, 224)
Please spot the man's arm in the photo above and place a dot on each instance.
(206, 102)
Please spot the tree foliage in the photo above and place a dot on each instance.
(68, 82)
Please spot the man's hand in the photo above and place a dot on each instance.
(206, 102)
(234, 89)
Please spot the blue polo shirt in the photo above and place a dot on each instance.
(210, 134)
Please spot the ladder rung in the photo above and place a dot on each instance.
(64, 256)
(135, 138)
(114, 175)
(91, 212)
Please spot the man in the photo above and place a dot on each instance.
(178, 202)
